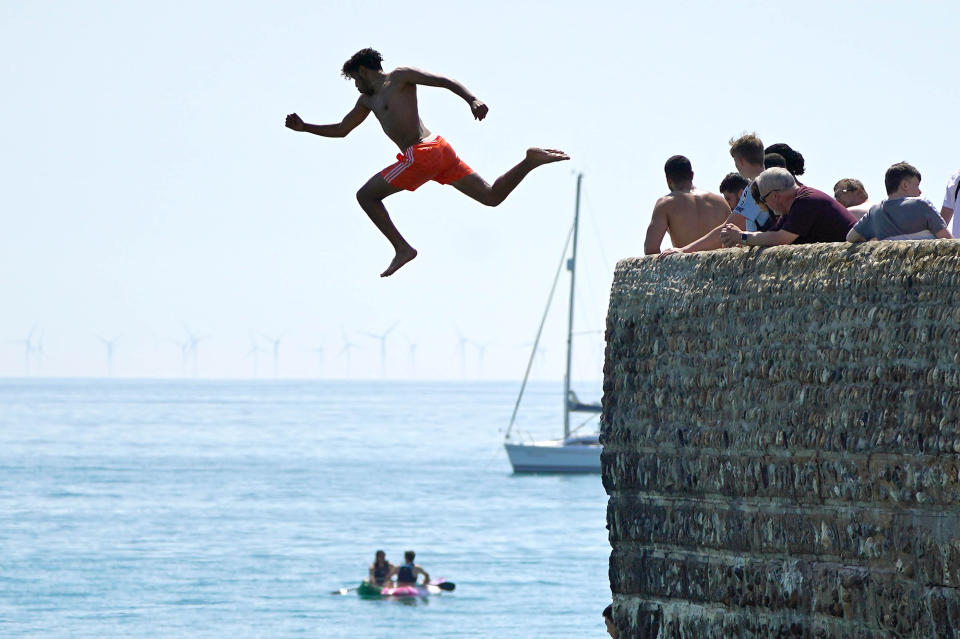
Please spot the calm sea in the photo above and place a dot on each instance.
(231, 509)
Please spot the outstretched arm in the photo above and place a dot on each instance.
(710, 241)
(410, 75)
(767, 238)
(350, 121)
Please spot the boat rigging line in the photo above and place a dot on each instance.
(536, 341)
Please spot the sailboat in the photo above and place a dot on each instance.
(574, 453)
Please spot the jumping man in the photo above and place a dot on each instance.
(392, 97)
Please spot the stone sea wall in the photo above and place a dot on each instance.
(781, 434)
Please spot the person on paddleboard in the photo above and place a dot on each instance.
(424, 156)
(380, 570)
(407, 573)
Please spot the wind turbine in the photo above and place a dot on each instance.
(28, 349)
(347, 347)
(463, 352)
(541, 356)
(319, 351)
(276, 350)
(193, 342)
(383, 347)
(254, 352)
(481, 350)
(413, 356)
(109, 344)
(538, 357)
(184, 354)
(38, 349)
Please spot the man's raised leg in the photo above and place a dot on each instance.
(477, 188)
(370, 196)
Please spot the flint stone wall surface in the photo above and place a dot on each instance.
(781, 442)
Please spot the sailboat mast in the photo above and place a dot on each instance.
(572, 267)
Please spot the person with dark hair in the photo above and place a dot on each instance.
(852, 194)
(366, 58)
(686, 212)
(794, 159)
(895, 176)
(380, 569)
(678, 169)
(747, 153)
(731, 188)
(805, 215)
(950, 202)
(608, 620)
(904, 215)
(392, 97)
(407, 573)
(771, 160)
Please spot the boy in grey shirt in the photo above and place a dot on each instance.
(904, 215)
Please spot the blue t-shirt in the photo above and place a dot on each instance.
(757, 218)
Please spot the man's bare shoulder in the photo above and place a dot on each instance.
(664, 200)
(676, 200)
(712, 199)
(405, 75)
(667, 203)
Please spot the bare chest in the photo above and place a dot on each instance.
(391, 102)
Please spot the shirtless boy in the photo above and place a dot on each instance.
(392, 97)
(687, 213)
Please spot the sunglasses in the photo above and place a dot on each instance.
(763, 198)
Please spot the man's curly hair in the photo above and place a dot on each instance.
(369, 58)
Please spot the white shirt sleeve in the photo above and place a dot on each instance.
(950, 197)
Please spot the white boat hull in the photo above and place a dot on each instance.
(553, 457)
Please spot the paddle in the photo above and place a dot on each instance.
(448, 586)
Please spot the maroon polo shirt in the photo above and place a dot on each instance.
(816, 217)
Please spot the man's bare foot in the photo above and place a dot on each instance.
(544, 156)
(401, 258)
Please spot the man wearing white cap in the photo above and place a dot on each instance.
(805, 215)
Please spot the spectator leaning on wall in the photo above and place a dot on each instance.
(950, 201)
(687, 213)
(805, 215)
(731, 188)
(852, 194)
(747, 154)
(904, 215)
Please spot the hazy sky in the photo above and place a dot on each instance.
(150, 187)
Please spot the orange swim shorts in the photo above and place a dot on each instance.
(433, 159)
